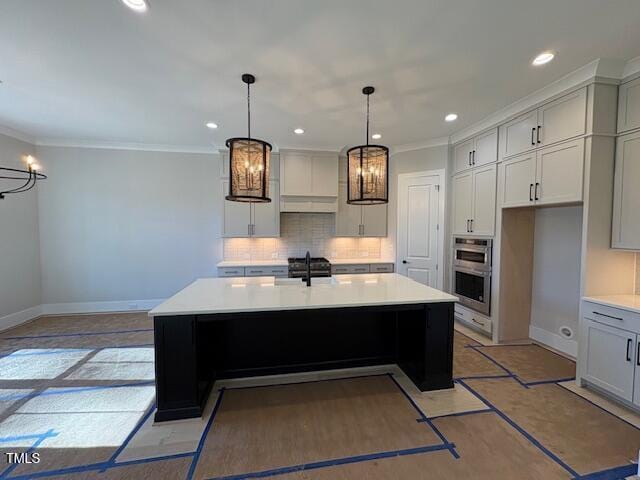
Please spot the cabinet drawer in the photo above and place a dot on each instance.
(612, 316)
(231, 271)
(266, 271)
(473, 319)
(381, 268)
(349, 269)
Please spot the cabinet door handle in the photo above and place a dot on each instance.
(467, 225)
(537, 185)
(469, 158)
(638, 355)
(628, 345)
(533, 131)
(531, 192)
(473, 162)
(471, 225)
(538, 134)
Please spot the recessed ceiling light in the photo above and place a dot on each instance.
(376, 136)
(212, 125)
(137, 5)
(451, 117)
(544, 57)
(298, 131)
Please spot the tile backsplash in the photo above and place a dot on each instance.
(300, 232)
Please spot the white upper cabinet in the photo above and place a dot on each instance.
(308, 174)
(563, 118)
(626, 198)
(559, 172)
(474, 201)
(266, 216)
(483, 221)
(243, 219)
(462, 202)
(518, 180)
(359, 220)
(477, 151)
(519, 135)
(462, 155)
(553, 122)
(629, 106)
(549, 176)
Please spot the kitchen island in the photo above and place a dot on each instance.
(218, 328)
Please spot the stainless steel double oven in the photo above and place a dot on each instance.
(472, 272)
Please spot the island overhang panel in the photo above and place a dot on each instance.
(231, 328)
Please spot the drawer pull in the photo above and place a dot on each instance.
(608, 316)
(476, 321)
(628, 345)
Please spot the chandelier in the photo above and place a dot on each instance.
(248, 161)
(368, 170)
(30, 177)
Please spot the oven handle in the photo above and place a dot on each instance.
(472, 272)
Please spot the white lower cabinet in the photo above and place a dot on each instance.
(609, 353)
(610, 358)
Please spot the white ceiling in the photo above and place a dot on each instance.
(94, 70)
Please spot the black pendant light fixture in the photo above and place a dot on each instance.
(28, 177)
(248, 161)
(368, 170)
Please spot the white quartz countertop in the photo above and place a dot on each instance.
(256, 294)
(625, 302)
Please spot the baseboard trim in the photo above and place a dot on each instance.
(99, 307)
(18, 318)
(555, 341)
(15, 319)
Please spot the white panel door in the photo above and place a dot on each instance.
(348, 217)
(610, 359)
(462, 185)
(626, 199)
(518, 180)
(559, 173)
(636, 383)
(418, 218)
(484, 201)
(236, 216)
(266, 216)
(486, 148)
(563, 118)
(519, 134)
(295, 173)
(324, 176)
(462, 156)
(629, 106)
(374, 220)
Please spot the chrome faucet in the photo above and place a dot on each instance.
(307, 263)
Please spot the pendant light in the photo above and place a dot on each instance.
(29, 176)
(368, 170)
(248, 162)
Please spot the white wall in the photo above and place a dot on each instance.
(556, 275)
(126, 225)
(19, 241)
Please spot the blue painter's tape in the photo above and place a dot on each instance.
(460, 414)
(545, 382)
(307, 381)
(17, 438)
(51, 351)
(198, 451)
(82, 334)
(616, 473)
(425, 418)
(483, 377)
(335, 462)
(42, 438)
(476, 348)
(72, 390)
(526, 434)
(601, 408)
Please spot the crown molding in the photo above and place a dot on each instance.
(430, 143)
(147, 147)
(18, 135)
(601, 70)
(631, 69)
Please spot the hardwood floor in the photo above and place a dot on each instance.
(77, 390)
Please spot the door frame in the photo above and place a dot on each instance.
(442, 198)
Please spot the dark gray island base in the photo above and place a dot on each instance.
(192, 351)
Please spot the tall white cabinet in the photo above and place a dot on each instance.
(626, 199)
